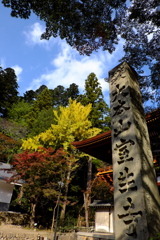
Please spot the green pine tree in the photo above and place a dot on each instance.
(99, 115)
(8, 90)
(42, 104)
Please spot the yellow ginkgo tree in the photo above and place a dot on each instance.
(72, 125)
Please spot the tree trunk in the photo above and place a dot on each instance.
(32, 217)
(20, 195)
(54, 212)
(80, 218)
(86, 195)
(63, 210)
(87, 201)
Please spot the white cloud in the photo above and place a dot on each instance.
(69, 67)
(33, 36)
(18, 70)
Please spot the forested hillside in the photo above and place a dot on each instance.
(41, 124)
(36, 131)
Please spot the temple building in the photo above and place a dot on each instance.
(100, 145)
(6, 187)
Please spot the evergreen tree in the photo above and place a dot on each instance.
(99, 115)
(61, 96)
(44, 120)
(58, 96)
(72, 92)
(29, 96)
(18, 111)
(42, 103)
(39, 90)
(8, 89)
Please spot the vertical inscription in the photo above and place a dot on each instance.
(136, 196)
(130, 217)
(123, 149)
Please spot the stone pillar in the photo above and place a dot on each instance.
(136, 196)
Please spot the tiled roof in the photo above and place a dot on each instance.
(6, 173)
(100, 145)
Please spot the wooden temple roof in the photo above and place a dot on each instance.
(100, 145)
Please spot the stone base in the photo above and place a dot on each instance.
(94, 236)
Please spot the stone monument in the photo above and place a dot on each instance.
(136, 196)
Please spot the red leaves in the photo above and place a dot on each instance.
(41, 168)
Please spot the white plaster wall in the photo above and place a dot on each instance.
(6, 191)
(104, 220)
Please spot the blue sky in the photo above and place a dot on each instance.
(52, 62)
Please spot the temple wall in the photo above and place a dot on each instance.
(104, 220)
(6, 191)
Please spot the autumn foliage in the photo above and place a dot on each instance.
(39, 168)
(8, 147)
